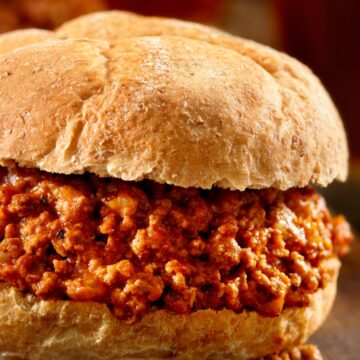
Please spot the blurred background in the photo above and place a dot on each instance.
(324, 34)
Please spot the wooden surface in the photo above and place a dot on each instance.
(339, 337)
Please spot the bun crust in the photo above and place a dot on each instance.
(38, 329)
(194, 107)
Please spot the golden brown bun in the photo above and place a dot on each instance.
(201, 108)
(20, 38)
(39, 329)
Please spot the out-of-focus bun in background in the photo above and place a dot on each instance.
(46, 14)
(49, 14)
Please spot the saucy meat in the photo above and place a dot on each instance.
(136, 246)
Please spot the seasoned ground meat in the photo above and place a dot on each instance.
(138, 246)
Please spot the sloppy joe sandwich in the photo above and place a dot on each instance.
(157, 194)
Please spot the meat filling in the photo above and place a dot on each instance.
(138, 246)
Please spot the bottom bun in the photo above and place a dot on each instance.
(31, 328)
(301, 352)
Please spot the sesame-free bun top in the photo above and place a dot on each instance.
(131, 97)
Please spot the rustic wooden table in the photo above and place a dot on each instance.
(339, 337)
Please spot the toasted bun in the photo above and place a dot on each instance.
(199, 108)
(39, 329)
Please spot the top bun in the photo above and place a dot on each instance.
(166, 100)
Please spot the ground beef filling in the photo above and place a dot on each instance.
(138, 246)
